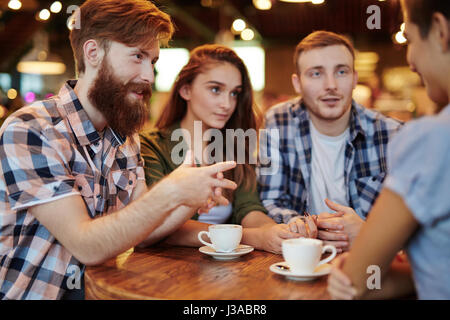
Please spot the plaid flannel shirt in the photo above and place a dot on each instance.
(48, 151)
(285, 192)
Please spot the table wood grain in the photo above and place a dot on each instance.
(181, 273)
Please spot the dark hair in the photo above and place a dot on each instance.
(320, 39)
(244, 116)
(131, 22)
(420, 12)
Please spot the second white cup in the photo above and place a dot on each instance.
(303, 254)
(224, 237)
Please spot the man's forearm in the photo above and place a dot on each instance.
(112, 234)
(171, 224)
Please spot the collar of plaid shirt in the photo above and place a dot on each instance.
(356, 128)
(80, 124)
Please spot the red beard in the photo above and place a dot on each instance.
(110, 96)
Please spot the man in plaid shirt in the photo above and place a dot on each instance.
(71, 165)
(330, 156)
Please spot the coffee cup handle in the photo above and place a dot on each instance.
(203, 241)
(331, 257)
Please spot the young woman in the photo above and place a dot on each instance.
(212, 94)
(413, 210)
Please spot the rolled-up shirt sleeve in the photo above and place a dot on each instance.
(272, 175)
(34, 172)
(418, 171)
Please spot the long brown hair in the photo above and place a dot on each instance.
(244, 116)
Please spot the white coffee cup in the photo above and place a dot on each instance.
(303, 254)
(224, 237)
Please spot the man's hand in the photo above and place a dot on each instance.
(216, 198)
(339, 285)
(331, 230)
(197, 187)
(341, 228)
(304, 226)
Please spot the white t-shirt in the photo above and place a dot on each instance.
(327, 170)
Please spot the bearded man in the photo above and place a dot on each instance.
(72, 186)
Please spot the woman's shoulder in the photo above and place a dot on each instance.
(151, 134)
(430, 129)
(152, 140)
(419, 141)
(157, 135)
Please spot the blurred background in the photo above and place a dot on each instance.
(36, 58)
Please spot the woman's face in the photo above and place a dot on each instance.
(213, 95)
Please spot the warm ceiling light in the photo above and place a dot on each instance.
(400, 38)
(297, 1)
(14, 4)
(71, 22)
(41, 67)
(39, 60)
(56, 7)
(238, 25)
(262, 4)
(366, 57)
(402, 27)
(44, 14)
(301, 1)
(12, 94)
(247, 34)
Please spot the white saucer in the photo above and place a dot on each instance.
(239, 251)
(318, 272)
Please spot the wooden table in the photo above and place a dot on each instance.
(181, 273)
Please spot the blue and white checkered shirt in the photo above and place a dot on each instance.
(284, 171)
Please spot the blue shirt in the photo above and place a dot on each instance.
(217, 214)
(284, 191)
(419, 171)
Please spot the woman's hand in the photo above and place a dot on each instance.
(339, 285)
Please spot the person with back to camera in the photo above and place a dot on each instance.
(413, 209)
